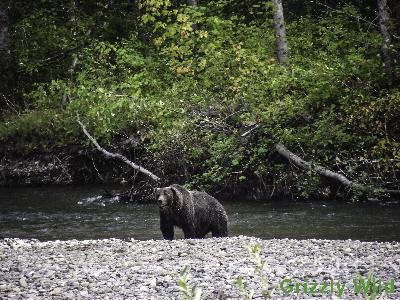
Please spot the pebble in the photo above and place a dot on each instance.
(23, 283)
(132, 269)
(56, 291)
(153, 283)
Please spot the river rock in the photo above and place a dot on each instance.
(132, 269)
(23, 283)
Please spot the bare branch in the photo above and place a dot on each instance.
(59, 56)
(254, 127)
(116, 155)
(339, 178)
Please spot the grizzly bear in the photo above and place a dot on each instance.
(196, 213)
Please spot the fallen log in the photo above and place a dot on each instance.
(305, 165)
(324, 172)
(116, 155)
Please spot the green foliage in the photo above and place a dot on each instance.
(193, 293)
(197, 79)
(260, 266)
(244, 292)
(38, 130)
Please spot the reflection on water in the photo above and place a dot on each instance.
(50, 213)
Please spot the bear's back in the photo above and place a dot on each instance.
(206, 204)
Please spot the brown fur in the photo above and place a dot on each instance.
(197, 213)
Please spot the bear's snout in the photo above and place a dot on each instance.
(162, 201)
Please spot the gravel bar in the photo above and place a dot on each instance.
(133, 269)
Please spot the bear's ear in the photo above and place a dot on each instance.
(157, 192)
(174, 193)
(176, 196)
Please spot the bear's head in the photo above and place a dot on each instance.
(167, 197)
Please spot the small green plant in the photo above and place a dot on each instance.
(244, 291)
(189, 293)
(371, 289)
(260, 266)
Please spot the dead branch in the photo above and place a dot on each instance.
(116, 155)
(324, 172)
(58, 56)
(253, 127)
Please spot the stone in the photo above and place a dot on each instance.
(23, 283)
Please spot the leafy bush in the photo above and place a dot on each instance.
(189, 83)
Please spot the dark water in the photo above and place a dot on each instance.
(75, 213)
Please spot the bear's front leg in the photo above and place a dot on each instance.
(167, 228)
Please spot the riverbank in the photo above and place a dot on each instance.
(119, 269)
(76, 165)
(68, 166)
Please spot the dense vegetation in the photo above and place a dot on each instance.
(196, 94)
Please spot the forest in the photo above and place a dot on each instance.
(260, 99)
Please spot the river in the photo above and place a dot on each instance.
(76, 212)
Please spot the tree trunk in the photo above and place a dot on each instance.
(280, 30)
(6, 74)
(383, 16)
